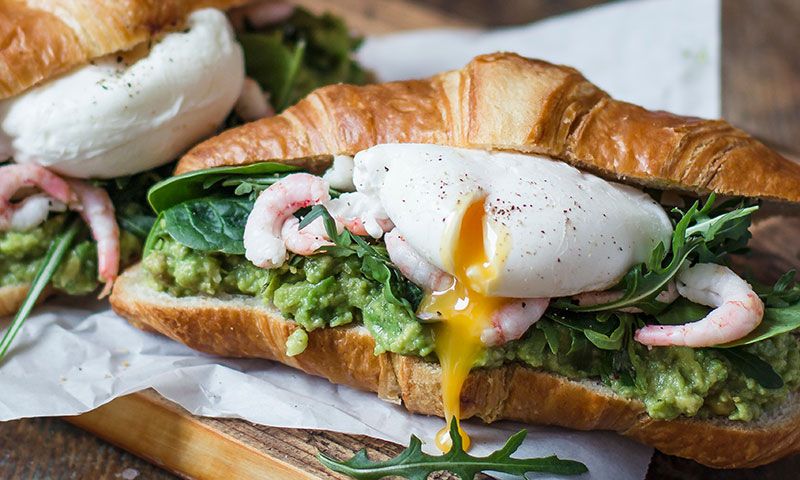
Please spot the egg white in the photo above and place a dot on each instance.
(110, 119)
(569, 231)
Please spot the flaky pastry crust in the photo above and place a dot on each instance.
(506, 102)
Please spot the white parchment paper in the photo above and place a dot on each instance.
(74, 355)
(661, 54)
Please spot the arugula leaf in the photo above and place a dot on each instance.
(209, 224)
(775, 322)
(187, 186)
(599, 329)
(700, 233)
(753, 367)
(413, 464)
(375, 261)
(52, 259)
(784, 293)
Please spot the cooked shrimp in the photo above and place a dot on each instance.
(97, 211)
(306, 241)
(263, 241)
(18, 176)
(514, 319)
(738, 310)
(588, 299)
(360, 214)
(413, 266)
(33, 211)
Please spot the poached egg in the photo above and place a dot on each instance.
(121, 114)
(505, 226)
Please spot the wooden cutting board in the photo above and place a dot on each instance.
(205, 448)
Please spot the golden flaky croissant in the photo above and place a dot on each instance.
(41, 39)
(504, 101)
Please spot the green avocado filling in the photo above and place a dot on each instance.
(316, 292)
(21, 254)
(323, 291)
(196, 248)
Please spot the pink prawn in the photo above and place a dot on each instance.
(97, 211)
(16, 177)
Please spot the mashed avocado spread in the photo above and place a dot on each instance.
(21, 254)
(323, 291)
(315, 292)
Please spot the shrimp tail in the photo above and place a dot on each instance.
(97, 210)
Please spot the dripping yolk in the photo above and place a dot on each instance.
(464, 311)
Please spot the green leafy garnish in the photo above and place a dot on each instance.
(129, 196)
(375, 261)
(304, 52)
(273, 64)
(753, 367)
(605, 330)
(187, 186)
(209, 224)
(682, 311)
(50, 262)
(413, 464)
(782, 312)
(700, 234)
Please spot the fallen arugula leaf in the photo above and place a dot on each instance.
(50, 262)
(413, 464)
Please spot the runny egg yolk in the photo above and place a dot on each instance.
(464, 311)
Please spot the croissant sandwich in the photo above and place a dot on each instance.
(96, 97)
(504, 241)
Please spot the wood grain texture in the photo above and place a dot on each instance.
(760, 94)
(761, 70)
(49, 448)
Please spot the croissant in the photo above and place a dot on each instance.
(503, 101)
(39, 40)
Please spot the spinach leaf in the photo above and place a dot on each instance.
(413, 464)
(682, 311)
(138, 224)
(211, 224)
(752, 366)
(180, 188)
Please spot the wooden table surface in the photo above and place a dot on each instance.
(761, 93)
